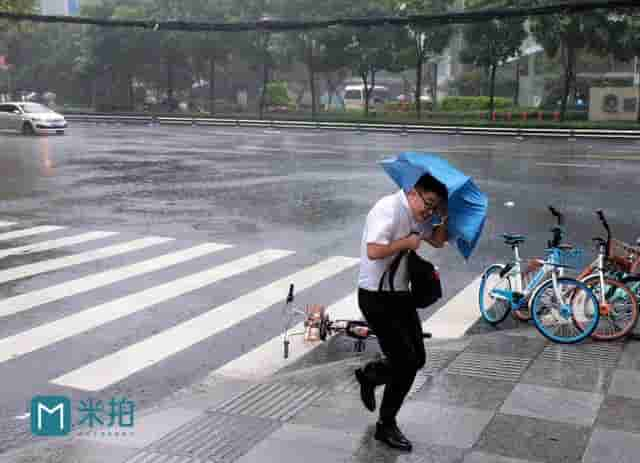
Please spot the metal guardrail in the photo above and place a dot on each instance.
(359, 126)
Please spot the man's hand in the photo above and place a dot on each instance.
(413, 241)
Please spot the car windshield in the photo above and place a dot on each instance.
(34, 108)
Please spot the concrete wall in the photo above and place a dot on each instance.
(613, 104)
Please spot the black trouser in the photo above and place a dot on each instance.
(395, 321)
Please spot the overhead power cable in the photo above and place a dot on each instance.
(279, 25)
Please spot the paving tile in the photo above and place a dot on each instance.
(619, 413)
(589, 353)
(373, 451)
(278, 451)
(630, 358)
(432, 423)
(338, 411)
(69, 451)
(465, 391)
(148, 428)
(514, 346)
(496, 367)
(612, 446)
(534, 440)
(625, 383)
(528, 332)
(565, 375)
(481, 457)
(316, 436)
(553, 404)
(216, 437)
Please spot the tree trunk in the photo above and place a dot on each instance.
(263, 96)
(312, 82)
(170, 83)
(212, 86)
(568, 78)
(265, 75)
(132, 102)
(419, 87)
(434, 87)
(516, 96)
(365, 78)
(492, 89)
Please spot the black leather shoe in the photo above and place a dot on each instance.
(392, 436)
(367, 391)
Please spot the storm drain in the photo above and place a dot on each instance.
(500, 367)
(595, 355)
(277, 401)
(212, 438)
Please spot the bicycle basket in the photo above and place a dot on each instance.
(624, 256)
(573, 258)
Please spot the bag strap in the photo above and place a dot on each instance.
(392, 269)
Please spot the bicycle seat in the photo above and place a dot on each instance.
(565, 247)
(512, 239)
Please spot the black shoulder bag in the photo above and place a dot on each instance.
(425, 286)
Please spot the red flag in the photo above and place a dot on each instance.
(3, 62)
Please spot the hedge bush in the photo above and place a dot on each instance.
(471, 103)
(277, 94)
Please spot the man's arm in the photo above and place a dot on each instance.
(380, 251)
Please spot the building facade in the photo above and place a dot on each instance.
(60, 7)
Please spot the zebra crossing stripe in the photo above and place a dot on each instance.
(50, 333)
(32, 299)
(7, 224)
(55, 244)
(458, 315)
(49, 265)
(268, 358)
(125, 362)
(28, 232)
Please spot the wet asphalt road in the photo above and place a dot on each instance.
(256, 189)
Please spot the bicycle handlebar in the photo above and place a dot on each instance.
(605, 224)
(290, 295)
(557, 215)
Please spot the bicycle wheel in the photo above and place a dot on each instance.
(556, 319)
(524, 312)
(493, 310)
(618, 312)
(633, 283)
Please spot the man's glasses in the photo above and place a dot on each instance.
(428, 205)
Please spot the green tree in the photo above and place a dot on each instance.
(619, 34)
(211, 51)
(426, 42)
(566, 36)
(372, 49)
(490, 43)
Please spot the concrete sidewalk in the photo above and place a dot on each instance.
(507, 397)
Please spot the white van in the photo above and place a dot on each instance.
(354, 96)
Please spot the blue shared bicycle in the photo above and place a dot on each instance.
(563, 309)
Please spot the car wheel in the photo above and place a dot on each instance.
(27, 129)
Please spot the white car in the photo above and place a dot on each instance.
(30, 118)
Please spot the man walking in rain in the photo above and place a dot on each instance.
(396, 223)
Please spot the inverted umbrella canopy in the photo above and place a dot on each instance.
(467, 205)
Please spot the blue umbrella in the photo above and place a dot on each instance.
(466, 203)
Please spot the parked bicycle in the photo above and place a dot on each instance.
(618, 305)
(555, 302)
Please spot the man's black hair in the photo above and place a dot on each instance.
(429, 183)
